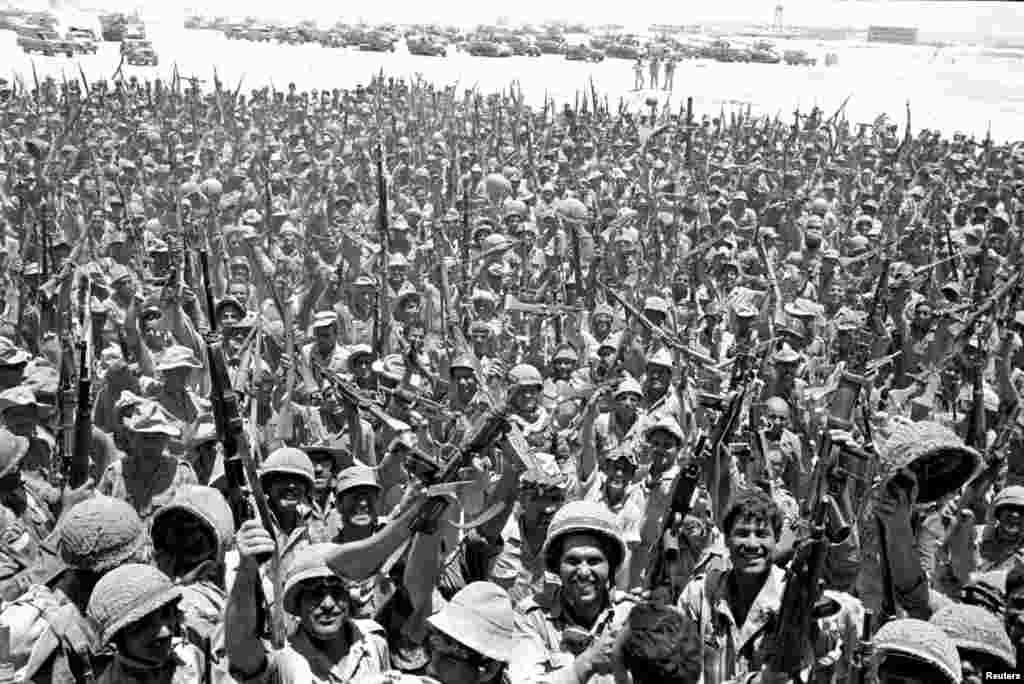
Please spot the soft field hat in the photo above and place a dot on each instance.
(480, 617)
(11, 354)
(324, 319)
(356, 476)
(17, 396)
(656, 304)
(151, 418)
(667, 424)
(127, 594)
(628, 386)
(661, 358)
(1009, 496)
(178, 356)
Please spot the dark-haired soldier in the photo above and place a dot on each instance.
(735, 608)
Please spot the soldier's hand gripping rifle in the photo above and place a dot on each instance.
(801, 602)
(665, 547)
(490, 428)
(352, 395)
(78, 467)
(76, 463)
(239, 468)
(658, 333)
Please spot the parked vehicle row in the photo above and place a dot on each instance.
(499, 41)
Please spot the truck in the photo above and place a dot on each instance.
(141, 54)
(83, 39)
(112, 26)
(134, 31)
(44, 41)
(425, 46)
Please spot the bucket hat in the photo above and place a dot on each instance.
(480, 617)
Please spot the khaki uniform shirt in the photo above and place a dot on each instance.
(301, 662)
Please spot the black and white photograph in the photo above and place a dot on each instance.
(542, 343)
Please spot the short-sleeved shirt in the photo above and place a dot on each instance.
(301, 662)
(547, 623)
(518, 568)
(162, 484)
(629, 512)
(610, 434)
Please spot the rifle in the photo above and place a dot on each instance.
(865, 650)
(239, 469)
(381, 327)
(577, 266)
(350, 394)
(660, 334)
(441, 249)
(492, 426)
(801, 598)
(515, 305)
(65, 409)
(419, 400)
(466, 286)
(78, 468)
(665, 547)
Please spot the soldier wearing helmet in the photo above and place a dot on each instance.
(744, 215)
(821, 209)
(599, 330)
(524, 392)
(26, 520)
(584, 549)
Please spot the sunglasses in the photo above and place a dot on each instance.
(321, 589)
(449, 649)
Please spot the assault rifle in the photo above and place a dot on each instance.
(802, 602)
(668, 339)
(66, 397)
(352, 395)
(382, 324)
(492, 426)
(78, 468)
(420, 400)
(516, 305)
(239, 468)
(665, 547)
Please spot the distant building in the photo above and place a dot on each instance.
(892, 34)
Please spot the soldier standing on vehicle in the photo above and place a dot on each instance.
(638, 74)
(654, 72)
